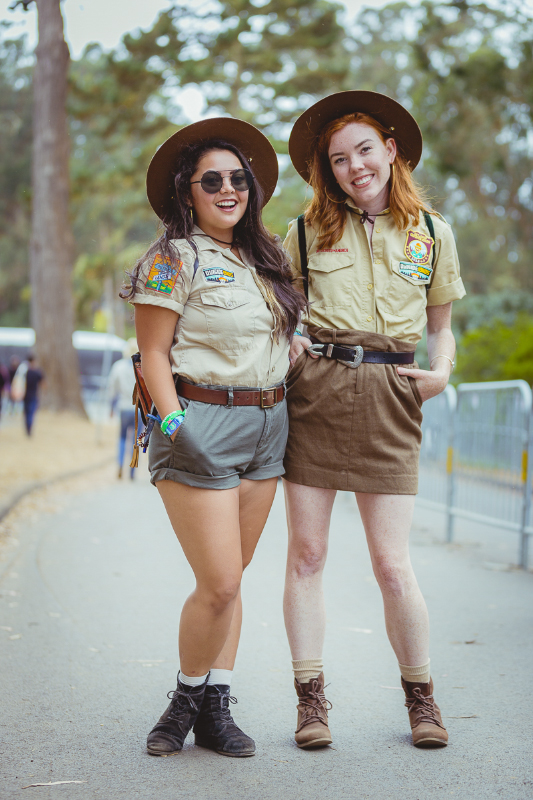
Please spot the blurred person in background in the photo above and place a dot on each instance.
(4, 384)
(14, 363)
(34, 378)
(120, 387)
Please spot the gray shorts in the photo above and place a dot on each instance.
(216, 446)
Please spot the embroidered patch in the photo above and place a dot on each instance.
(163, 276)
(419, 272)
(418, 247)
(344, 250)
(218, 275)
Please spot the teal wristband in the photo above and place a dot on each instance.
(172, 422)
(298, 333)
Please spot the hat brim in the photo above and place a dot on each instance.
(402, 125)
(248, 139)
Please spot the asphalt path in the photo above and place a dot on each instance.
(89, 611)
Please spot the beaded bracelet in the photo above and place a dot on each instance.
(172, 422)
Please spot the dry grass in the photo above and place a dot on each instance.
(60, 444)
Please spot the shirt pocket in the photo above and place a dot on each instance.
(331, 277)
(229, 318)
(406, 297)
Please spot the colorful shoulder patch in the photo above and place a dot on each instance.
(218, 275)
(418, 247)
(163, 276)
(417, 272)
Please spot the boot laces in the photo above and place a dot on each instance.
(224, 712)
(174, 696)
(424, 706)
(314, 705)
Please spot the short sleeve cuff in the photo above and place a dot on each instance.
(153, 300)
(440, 295)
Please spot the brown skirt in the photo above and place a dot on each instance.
(357, 430)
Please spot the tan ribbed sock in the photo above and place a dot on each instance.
(415, 674)
(306, 669)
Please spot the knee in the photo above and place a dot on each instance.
(393, 578)
(221, 595)
(304, 562)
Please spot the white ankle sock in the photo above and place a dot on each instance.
(415, 674)
(221, 677)
(196, 681)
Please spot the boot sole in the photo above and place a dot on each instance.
(222, 752)
(430, 744)
(314, 743)
(162, 755)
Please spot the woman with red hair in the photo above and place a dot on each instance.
(378, 266)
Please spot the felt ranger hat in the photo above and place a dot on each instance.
(402, 125)
(249, 140)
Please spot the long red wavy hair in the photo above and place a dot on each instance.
(327, 209)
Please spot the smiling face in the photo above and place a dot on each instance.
(217, 214)
(360, 162)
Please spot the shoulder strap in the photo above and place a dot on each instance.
(431, 229)
(302, 245)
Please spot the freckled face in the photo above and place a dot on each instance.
(360, 163)
(218, 213)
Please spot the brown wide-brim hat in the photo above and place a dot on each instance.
(249, 140)
(393, 116)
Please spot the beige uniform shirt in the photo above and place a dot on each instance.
(225, 332)
(383, 286)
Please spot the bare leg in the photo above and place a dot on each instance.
(387, 521)
(218, 531)
(256, 498)
(308, 516)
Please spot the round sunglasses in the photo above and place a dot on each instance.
(212, 181)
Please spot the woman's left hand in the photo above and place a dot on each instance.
(428, 382)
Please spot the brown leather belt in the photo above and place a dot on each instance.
(266, 398)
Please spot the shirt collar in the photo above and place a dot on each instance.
(351, 205)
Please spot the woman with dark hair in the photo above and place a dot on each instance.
(215, 310)
(380, 266)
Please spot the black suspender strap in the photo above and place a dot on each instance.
(302, 245)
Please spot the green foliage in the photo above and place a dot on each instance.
(464, 68)
(497, 352)
(15, 178)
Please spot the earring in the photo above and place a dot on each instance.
(332, 200)
(392, 176)
(191, 212)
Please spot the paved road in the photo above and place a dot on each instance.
(94, 595)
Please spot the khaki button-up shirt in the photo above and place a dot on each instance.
(225, 331)
(379, 287)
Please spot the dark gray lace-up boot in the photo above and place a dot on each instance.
(214, 728)
(167, 737)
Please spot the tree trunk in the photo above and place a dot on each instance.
(52, 304)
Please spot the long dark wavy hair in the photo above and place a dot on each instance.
(262, 248)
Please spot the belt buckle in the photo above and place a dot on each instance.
(262, 398)
(357, 359)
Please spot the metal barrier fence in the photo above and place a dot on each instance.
(476, 456)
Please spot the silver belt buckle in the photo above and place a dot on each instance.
(357, 359)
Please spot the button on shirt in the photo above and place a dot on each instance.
(358, 284)
(225, 332)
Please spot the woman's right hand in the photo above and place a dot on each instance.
(298, 345)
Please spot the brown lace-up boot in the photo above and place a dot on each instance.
(312, 727)
(424, 715)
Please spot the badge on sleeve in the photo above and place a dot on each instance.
(418, 247)
(163, 276)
